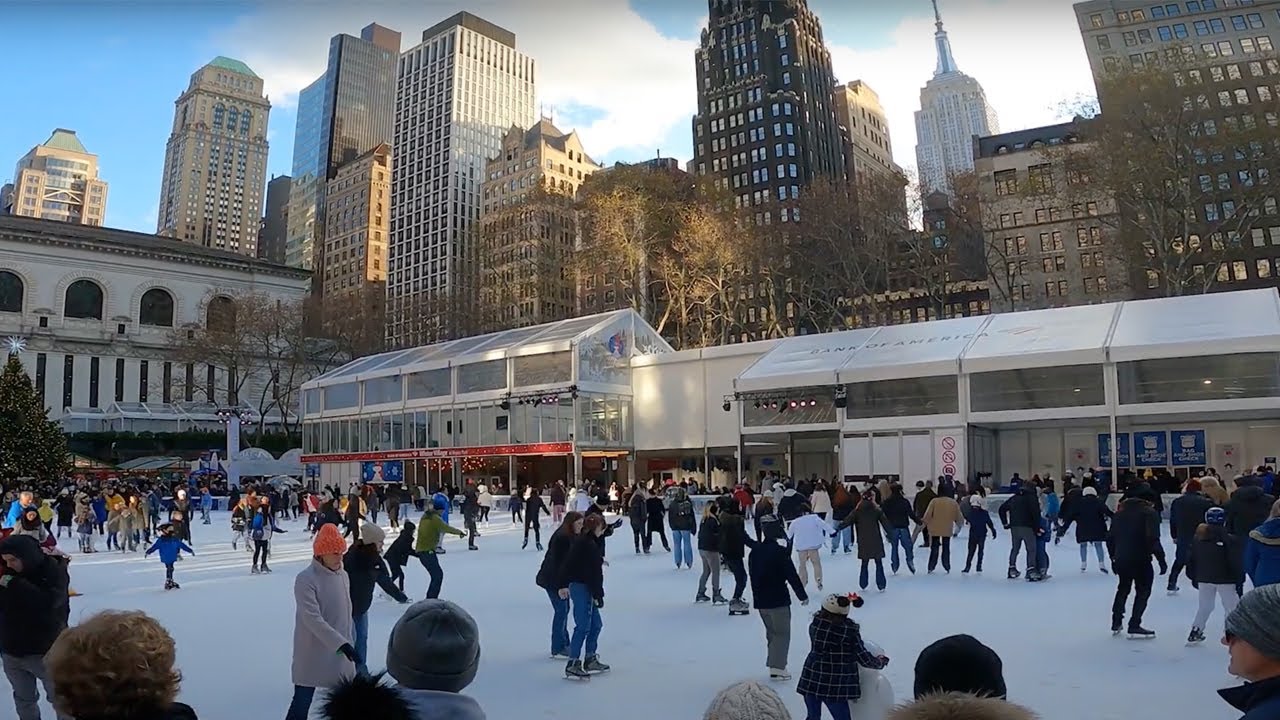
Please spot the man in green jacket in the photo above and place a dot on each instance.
(430, 529)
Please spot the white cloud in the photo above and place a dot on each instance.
(1028, 56)
(596, 54)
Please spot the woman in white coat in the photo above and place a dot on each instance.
(485, 499)
(323, 654)
(820, 500)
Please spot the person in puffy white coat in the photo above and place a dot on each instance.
(877, 692)
(808, 533)
(484, 499)
(820, 501)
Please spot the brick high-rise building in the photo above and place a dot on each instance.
(357, 224)
(458, 93)
(57, 180)
(530, 226)
(215, 165)
(869, 148)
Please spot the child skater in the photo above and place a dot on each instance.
(238, 520)
(830, 674)
(979, 523)
(1216, 569)
(169, 545)
(84, 531)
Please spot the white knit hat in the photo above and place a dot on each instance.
(747, 700)
(371, 534)
(1090, 491)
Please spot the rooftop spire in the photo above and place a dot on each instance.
(946, 63)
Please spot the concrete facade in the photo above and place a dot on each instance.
(215, 164)
(1047, 243)
(357, 223)
(98, 310)
(870, 148)
(57, 180)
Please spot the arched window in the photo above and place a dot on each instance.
(83, 300)
(218, 111)
(246, 122)
(233, 119)
(156, 308)
(11, 292)
(221, 313)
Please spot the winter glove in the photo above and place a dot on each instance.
(563, 593)
(599, 603)
(804, 601)
(5, 580)
(349, 652)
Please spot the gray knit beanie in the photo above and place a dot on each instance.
(1256, 620)
(435, 645)
(747, 700)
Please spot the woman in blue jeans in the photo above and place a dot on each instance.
(582, 584)
(558, 546)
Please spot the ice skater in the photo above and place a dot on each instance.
(979, 523)
(534, 508)
(397, 556)
(830, 674)
(262, 527)
(1134, 542)
(1215, 566)
(771, 571)
(169, 545)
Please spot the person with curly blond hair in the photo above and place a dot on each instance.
(116, 665)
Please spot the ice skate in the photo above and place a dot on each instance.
(1014, 574)
(738, 607)
(701, 598)
(1084, 567)
(472, 547)
(170, 585)
(539, 546)
(254, 570)
(265, 570)
(1104, 570)
(1172, 590)
(573, 671)
(524, 544)
(1115, 624)
(718, 599)
(819, 585)
(779, 675)
(593, 666)
(1196, 637)
(561, 655)
(1137, 632)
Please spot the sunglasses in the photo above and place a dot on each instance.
(847, 600)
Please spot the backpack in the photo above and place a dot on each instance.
(259, 527)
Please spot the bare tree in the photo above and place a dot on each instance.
(1187, 153)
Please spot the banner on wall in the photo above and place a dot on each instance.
(949, 452)
(1189, 448)
(382, 471)
(1151, 449)
(1226, 456)
(1123, 457)
(1079, 457)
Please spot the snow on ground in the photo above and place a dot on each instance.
(669, 657)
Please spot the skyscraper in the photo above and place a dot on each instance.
(766, 126)
(57, 180)
(953, 109)
(458, 92)
(870, 149)
(275, 220)
(215, 165)
(347, 112)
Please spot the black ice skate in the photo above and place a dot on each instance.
(254, 570)
(1137, 632)
(573, 671)
(1172, 590)
(1196, 637)
(524, 545)
(1014, 574)
(472, 547)
(718, 599)
(539, 546)
(738, 607)
(1116, 622)
(170, 585)
(265, 569)
(702, 598)
(593, 666)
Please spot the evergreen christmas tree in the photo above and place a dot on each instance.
(30, 444)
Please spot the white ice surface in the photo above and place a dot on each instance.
(670, 657)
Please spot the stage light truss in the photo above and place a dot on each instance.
(785, 400)
(542, 397)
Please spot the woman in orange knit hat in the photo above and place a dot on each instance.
(323, 654)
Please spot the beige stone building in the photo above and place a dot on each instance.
(215, 165)
(529, 227)
(357, 224)
(57, 180)
(1042, 249)
(869, 148)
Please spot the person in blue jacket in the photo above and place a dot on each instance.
(99, 505)
(206, 505)
(169, 545)
(1052, 505)
(1262, 551)
(17, 507)
(979, 524)
(440, 501)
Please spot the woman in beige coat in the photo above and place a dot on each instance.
(941, 519)
(322, 628)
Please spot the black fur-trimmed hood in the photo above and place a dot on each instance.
(364, 697)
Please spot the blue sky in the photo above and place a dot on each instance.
(623, 77)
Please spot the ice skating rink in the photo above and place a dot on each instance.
(669, 657)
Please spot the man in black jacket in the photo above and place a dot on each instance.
(898, 511)
(733, 539)
(1248, 507)
(771, 572)
(1133, 542)
(1185, 515)
(1020, 515)
(34, 607)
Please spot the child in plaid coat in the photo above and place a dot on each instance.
(830, 675)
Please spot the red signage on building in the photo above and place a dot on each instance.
(564, 448)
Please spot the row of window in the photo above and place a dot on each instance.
(1168, 10)
(85, 299)
(1018, 218)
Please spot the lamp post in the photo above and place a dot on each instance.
(233, 418)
